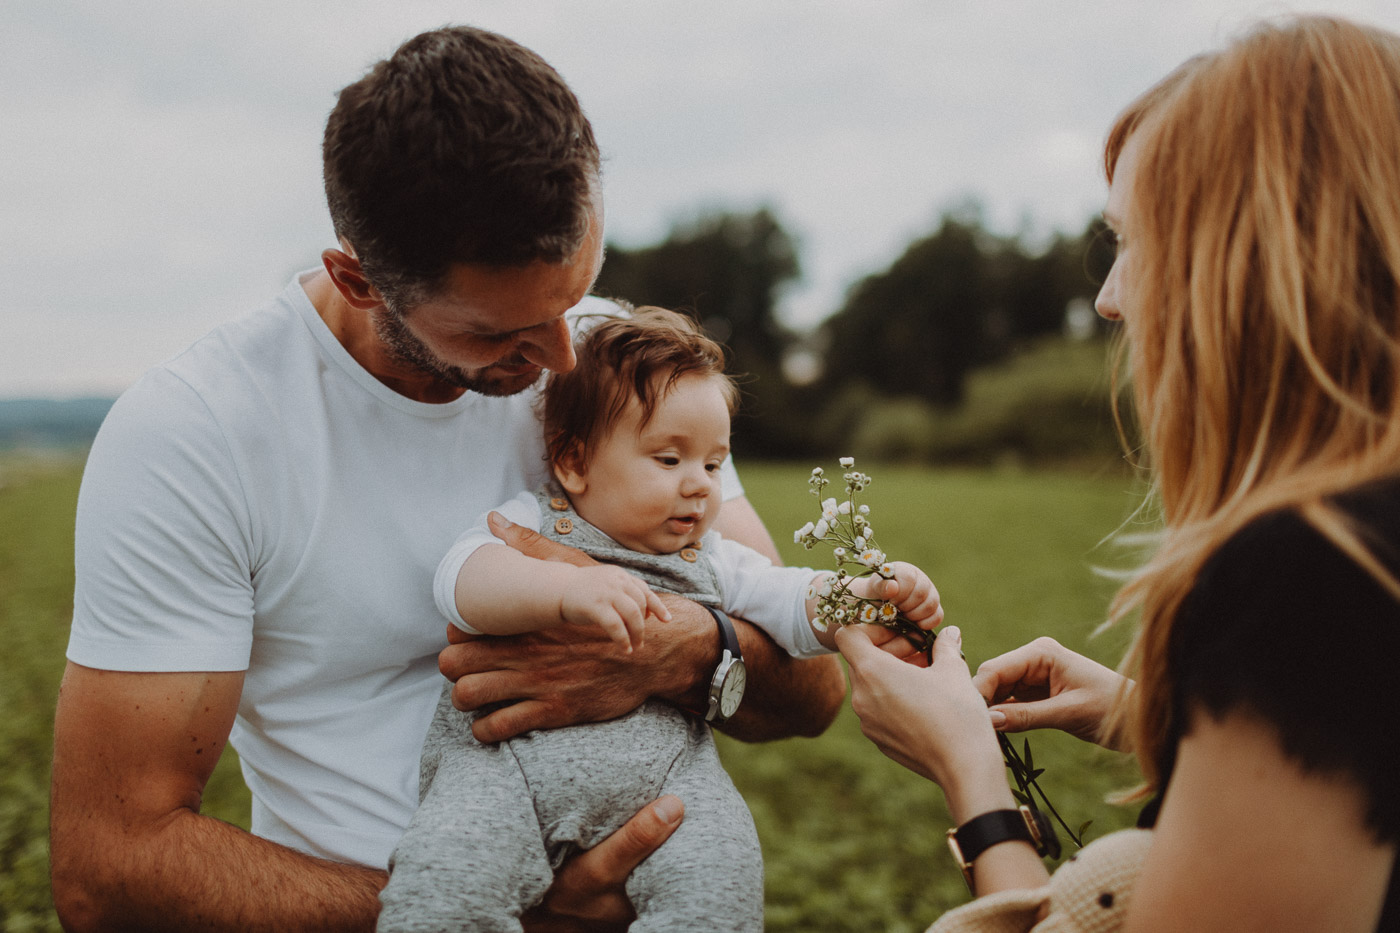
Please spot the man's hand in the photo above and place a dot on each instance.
(568, 675)
(551, 678)
(533, 544)
(588, 891)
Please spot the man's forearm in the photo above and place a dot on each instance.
(785, 696)
(194, 872)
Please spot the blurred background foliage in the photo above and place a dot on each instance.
(914, 365)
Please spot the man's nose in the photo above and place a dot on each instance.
(551, 346)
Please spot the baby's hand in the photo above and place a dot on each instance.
(911, 591)
(614, 600)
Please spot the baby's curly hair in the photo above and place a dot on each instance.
(624, 358)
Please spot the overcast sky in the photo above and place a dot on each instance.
(160, 165)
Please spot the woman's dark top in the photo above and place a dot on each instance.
(1283, 625)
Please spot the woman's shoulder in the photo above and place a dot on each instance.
(1283, 622)
(1283, 543)
(1281, 578)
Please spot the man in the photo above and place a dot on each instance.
(261, 516)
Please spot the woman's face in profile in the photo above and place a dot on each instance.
(1115, 301)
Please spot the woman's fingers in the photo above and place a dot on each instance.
(1027, 666)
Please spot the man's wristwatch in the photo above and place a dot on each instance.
(730, 676)
(980, 833)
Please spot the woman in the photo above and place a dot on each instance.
(1255, 196)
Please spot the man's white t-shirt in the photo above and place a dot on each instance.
(261, 503)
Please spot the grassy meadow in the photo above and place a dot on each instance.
(851, 840)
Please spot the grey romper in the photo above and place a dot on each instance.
(494, 821)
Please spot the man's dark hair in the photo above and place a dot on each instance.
(462, 146)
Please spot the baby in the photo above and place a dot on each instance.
(636, 437)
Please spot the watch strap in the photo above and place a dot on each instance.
(728, 638)
(980, 833)
(729, 653)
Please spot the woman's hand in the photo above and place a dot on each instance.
(1044, 685)
(931, 720)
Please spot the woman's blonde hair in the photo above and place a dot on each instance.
(1264, 344)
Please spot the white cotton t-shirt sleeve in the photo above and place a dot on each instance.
(524, 510)
(771, 597)
(161, 546)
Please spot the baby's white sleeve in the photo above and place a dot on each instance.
(730, 486)
(524, 509)
(771, 597)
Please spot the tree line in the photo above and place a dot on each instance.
(957, 300)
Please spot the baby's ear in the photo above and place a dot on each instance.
(571, 470)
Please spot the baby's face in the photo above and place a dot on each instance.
(655, 489)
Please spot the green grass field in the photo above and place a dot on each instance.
(851, 840)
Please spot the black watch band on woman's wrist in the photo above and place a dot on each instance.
(980, 833)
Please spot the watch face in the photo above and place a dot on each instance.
(733, 690)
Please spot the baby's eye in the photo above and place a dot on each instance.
(668, 461)
(712, 468)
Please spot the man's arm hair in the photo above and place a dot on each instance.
(784, 696)
(129, 847)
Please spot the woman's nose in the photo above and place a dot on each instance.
(1107, 301)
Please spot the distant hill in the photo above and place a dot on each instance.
(50, 423)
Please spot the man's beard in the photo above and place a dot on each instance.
(412, 352)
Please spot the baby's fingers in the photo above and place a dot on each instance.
(656, 607)
(616, 627)
(633, 615)
(927, 616)
(922, 604)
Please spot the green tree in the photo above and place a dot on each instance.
(956, 300)
(916, 328)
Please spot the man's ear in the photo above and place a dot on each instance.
(343, 266)
(571, 472)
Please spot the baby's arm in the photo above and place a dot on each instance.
(500, 591)
(909, 589)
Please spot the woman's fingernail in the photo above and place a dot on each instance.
(998, 719)
(498, 520)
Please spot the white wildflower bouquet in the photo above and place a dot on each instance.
(845, 527)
